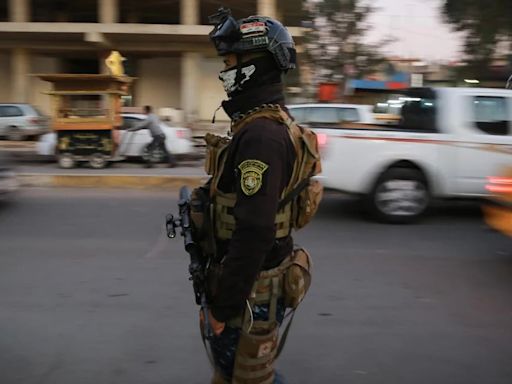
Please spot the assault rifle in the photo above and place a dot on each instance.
(197, 266)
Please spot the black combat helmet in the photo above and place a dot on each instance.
(253, 34)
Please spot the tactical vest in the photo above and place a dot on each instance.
(300, 198)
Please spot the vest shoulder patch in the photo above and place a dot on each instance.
(251, 178)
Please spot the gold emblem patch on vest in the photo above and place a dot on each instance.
(252, 176)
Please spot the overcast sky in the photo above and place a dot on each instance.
(417, 27)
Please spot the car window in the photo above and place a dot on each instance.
(324, 115)
(348, 114)
(418, 114)
(299, 114)
(10, 111)
(327, 115)
(129, 122)
(491, 115)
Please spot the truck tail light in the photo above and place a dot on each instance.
(499, 184)
(321, 139)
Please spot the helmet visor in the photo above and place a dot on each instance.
(226, 31)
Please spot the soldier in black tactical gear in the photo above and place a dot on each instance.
(258, 178)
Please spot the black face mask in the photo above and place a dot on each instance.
(250, 74)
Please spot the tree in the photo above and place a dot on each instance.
(486, 24)
(333, 43)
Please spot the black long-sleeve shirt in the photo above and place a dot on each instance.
(253, 246)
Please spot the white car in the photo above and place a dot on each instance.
(19, 121)
(178, 139)
(445, 144)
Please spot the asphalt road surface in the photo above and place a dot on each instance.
(92, 292)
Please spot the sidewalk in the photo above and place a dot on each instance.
(37, 171)
(153, 178)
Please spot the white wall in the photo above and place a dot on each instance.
(158, 82)
(5, 77)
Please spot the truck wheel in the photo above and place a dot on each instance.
(400, 195)
(15, 134)
(97, 161)
(66, 160)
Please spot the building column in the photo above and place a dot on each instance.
(267, 8)
(19, 11)
(189, 12)
(20, 69)
(190, 72)
(108, 11)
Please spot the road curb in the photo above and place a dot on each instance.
(109, 181)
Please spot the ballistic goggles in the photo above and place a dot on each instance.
(229, 36)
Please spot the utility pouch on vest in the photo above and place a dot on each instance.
(308, 195)
(255, 356)
(215, 145)
(297, 278)
(307, 203)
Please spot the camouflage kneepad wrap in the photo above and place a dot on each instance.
(255, 357)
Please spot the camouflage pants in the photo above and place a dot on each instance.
(224, 346)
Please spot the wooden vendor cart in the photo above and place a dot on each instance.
(86, 116)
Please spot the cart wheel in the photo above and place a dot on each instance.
(97, 161)
(66, 160)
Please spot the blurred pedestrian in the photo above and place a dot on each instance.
(256, 178)
(152, 123)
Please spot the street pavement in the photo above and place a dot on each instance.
(91, 291)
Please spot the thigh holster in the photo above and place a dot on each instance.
(259, 343)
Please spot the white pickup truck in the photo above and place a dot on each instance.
(445, 143)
